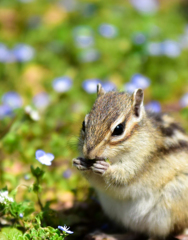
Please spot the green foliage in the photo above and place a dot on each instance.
(11, 234)
(36, 233)
(23, 216)
(37, 172)
(41, 193)
(184, 113)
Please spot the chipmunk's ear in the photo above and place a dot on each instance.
(86, 118)
(138, 97)
(100, 90)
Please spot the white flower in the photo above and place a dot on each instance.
(34, 114)
(4, 198)
(65, 229)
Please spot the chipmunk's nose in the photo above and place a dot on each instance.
(89, 152)
(92, 152)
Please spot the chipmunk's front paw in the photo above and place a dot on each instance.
(81, 163)
(100, 167)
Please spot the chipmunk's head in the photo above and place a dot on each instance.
(110, 127)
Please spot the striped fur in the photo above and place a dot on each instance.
(146, 186)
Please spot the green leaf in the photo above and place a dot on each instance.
(37, 172)
(4, 189)
(11, 234)
(36, 187)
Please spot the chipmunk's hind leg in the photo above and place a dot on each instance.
(180, 237)
(126, 236)
(183, 236)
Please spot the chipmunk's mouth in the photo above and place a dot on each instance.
(100, 159)
(97, 159)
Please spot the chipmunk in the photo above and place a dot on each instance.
(144, 185)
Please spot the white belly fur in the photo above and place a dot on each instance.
(140, 215)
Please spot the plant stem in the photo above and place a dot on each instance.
(39, 201)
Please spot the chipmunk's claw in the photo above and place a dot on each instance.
(97, 166)
(81, 163)
(100, 167)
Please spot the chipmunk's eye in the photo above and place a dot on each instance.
(118, 130)
(83, 126)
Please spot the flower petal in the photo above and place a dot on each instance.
(50, 156)
(39, 153)
(65, 229)
(90, 85)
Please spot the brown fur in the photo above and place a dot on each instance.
(103, 114)
(150, 158)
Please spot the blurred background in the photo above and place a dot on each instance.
(52, 55)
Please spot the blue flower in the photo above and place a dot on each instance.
(6, 54)
(137, 81)
(108, 30)
(21, 215)
(27, 176)
(145, 6)
(65, 229)
(108, 86)
(23, 52)
(184, 100)
(139, 38)
(168, 48)
(140, 81)
(67, 173)
(83, 36)
(153, 106)
(5, 110)
(44, 158)
(62, 84)
(155, 49)
(89, 55)
(90, 85)
(171, 48)
(12, 99)
(129, 87)
(41, 100)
